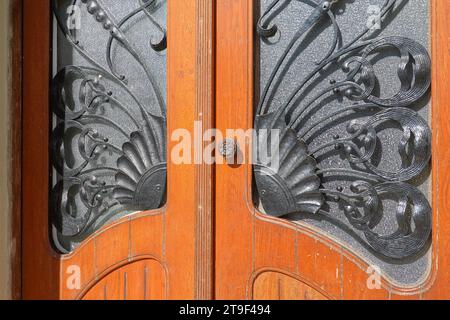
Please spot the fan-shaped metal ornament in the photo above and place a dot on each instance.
(286, 178)
(141, 180)
(292, 180)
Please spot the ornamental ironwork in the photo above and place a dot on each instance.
(108, 143)
(297, 182)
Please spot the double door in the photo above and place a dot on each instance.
(152, 113)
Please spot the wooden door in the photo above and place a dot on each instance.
(155, 254)
(259, 256)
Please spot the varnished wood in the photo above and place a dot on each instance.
(234, 98)
(40, 267)
(249, 243)
(279, 286)
(189, 203)
(435, 287)
(130, 239)
(205, 180)
(141, 280)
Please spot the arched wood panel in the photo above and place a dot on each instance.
(142, 280)
(271, 285)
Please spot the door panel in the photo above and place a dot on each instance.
(249, 241)
(109, 125)
(168, 241)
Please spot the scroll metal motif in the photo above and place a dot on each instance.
(103, 167)
(297, 183)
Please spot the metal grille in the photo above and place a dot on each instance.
(344, 93)
(108, 143)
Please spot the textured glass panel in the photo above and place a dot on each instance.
(109, 114)
(345, 84)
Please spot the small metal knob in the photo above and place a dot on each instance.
(228, 148)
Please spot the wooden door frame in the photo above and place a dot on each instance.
(15, 144)
(187, 217)
(239, 263)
